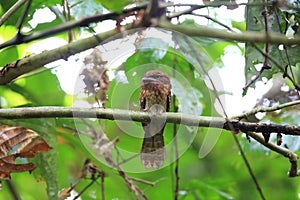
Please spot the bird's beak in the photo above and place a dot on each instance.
(148, 79)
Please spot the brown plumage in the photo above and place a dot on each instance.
(155, 98)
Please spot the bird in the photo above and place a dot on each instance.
(155, 98)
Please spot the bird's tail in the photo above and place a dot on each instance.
(153, 152)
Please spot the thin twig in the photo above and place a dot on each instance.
(13, 190)
(254, 79)
(144, 181)
(84, 22)
(214, 20)
(294, 171)
(35, 73)
(285, 48)
(266, 109)
(128, 159)
(253, 177)
(176, 170)
(11, 11)
(102, 187)
(279, 66)
(266, 55)
(85, 188)
(22, 18)
(231, 126)
(267, 31)
(266, 65)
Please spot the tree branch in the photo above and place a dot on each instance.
(294, 171)
(11, 11)
(248, 36)
(242, 37)
(117, 114)
(265, 109)
(27, 64)
(84, 22)
(178, 118)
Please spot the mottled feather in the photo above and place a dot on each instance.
(155, 98)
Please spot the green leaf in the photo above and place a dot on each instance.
(277, 22)
(36, 4)
(216, 49)
(41, 89)
(158, 46)
(188, 97)
(8, 55)
(85, 8)
(115, 6)
(9, 98)
(239, 25)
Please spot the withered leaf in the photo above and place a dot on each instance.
(37, 146)
(65, 193)
(95, 78)
(26, 143)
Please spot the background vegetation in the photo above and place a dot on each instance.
(198, 40)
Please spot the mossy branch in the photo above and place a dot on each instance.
(178, 118)
(117, 114)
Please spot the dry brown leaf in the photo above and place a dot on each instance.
(65, 193)
(10, 137)
(95, 78)
(37, 146)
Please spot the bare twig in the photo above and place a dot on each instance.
(11, 11)
(249, 167)
(266, 65)
(84, 22)
(85, 188)
(128, 159)
(254, 79)
(279, 66)
(266, 109)
(144, 181)
(285, 50)
(294, 171)
(27, 64)
(102, 187)
(13, 190)
(22, 18)
(248, 36)
(230, 125)
(267, 45)
(175, 107)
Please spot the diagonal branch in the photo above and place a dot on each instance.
(265, 109)
(84, 22)
(11, 11)
(272, 38)
(294, 171)
(27, 64)
(248, 36)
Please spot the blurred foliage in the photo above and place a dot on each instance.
(220, 175)
(280, 21)
(115, 6)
